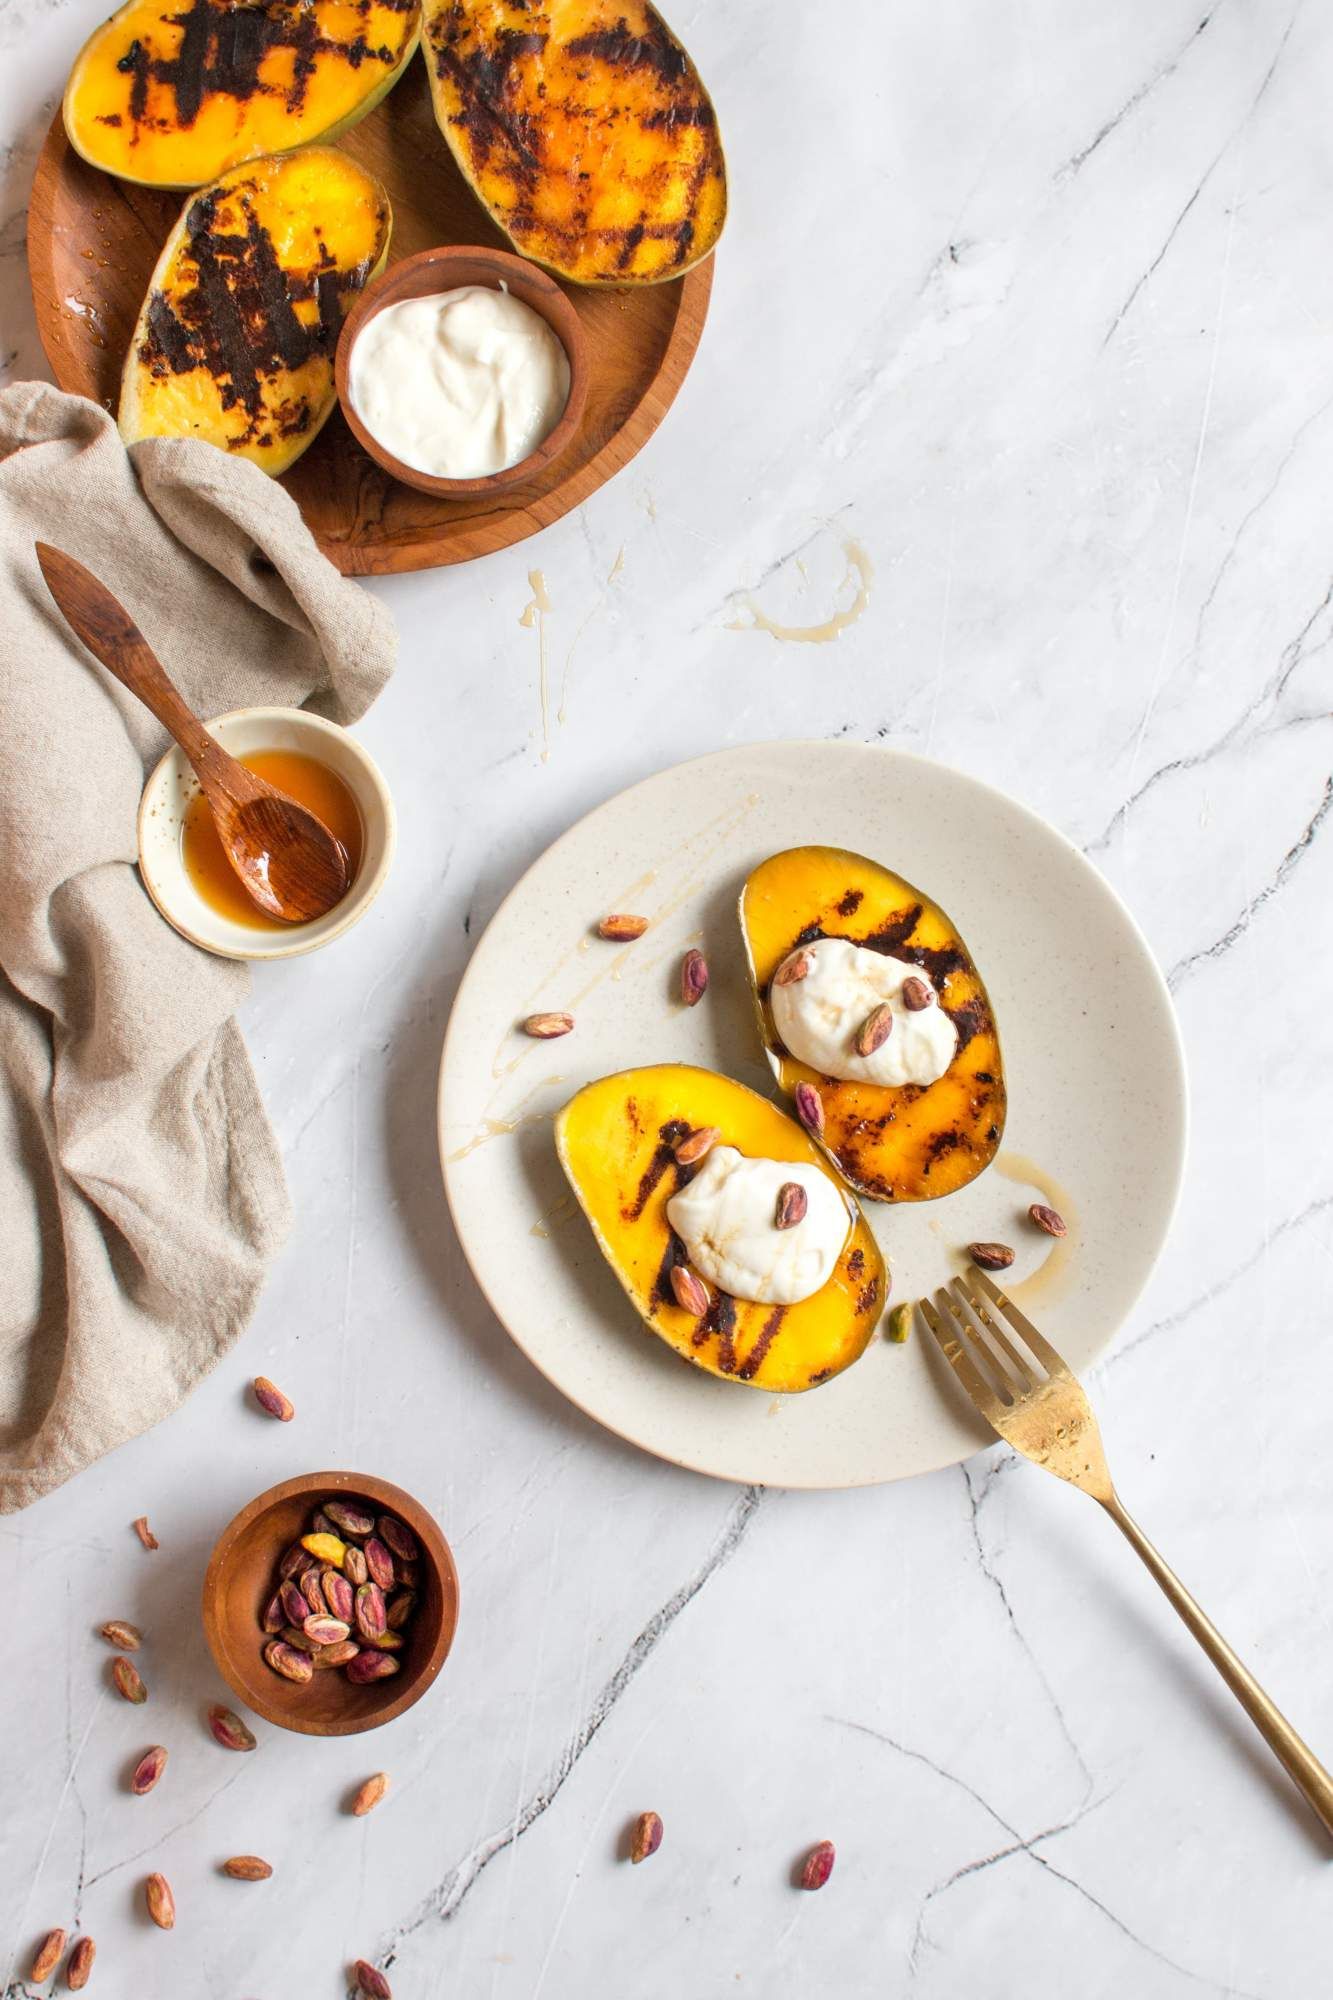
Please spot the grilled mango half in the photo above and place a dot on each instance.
(583, 127)
(170, 93)
(913, 1142)
(236, 337)
(617, 1138)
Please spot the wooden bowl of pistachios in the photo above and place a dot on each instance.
(330, 1603)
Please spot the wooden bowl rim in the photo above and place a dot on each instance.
(536, 288)
(393, 1499)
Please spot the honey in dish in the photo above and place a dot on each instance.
(304, 779)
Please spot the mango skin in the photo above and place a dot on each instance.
(584, 129)
(301, 233)
(172, 93)
(615, 1140)
(907, 1144)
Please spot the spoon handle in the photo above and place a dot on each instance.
(111, 635)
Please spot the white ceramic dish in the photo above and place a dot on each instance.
(173, 784)
(1093, 1061)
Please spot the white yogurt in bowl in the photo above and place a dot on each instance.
(459, 384)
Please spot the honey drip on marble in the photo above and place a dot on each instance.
(535, 614)
(860, 575)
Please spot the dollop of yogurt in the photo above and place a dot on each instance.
(725, 1217)
(820, 1016)
(461, 384)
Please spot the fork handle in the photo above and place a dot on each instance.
(1295, 1756)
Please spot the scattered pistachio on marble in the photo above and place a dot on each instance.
(148, 1770)
(161, 1902)
(79, 1969)
(126, 1638)
(145, 1533)
(227, 1729)
(818, 1865)
(645, 1836)
(128, 1681)
(272, 1401)
(247, 1868)
(369, 1794)
(370, 1981)
(49, 1954)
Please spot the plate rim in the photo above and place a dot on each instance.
(891, 753)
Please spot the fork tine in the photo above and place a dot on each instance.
(1053, 1363)
(1022, 1367)
(978, 1389)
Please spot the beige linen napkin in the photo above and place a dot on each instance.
(141, 1188)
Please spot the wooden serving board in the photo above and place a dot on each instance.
(92, 245)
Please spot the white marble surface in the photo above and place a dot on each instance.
(1033, 299)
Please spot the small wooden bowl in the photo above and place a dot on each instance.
(447, 270)
(240, 1581)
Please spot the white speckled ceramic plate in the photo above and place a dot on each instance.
(1097, 1101)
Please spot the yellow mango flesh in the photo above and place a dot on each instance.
(236, 339)
(583, 126)
(171, 93)
(616, 1140)
(912, 1143)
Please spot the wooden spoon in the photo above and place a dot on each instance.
(287, 860)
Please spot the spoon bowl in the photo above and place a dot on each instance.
(287, 860)
(290, 863)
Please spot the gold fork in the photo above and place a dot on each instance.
(1039, 1407)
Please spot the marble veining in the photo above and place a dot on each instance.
(1032, 303)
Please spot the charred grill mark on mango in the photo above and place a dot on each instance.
(190, 90)
(664, 1158)
(236, 338)
(584, 130)
(223, 48)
